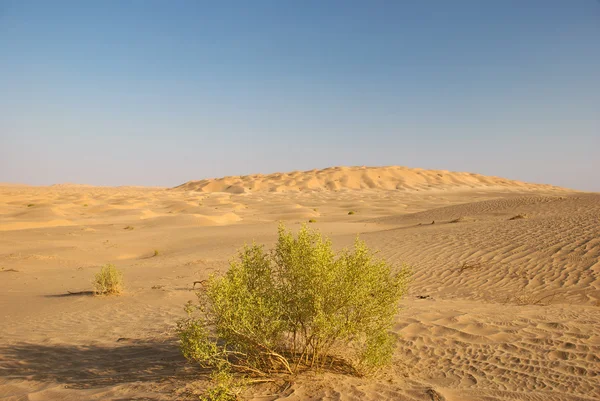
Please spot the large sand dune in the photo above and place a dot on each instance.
(355, 178)
(501, 308)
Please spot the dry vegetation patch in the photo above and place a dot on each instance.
(109, 281)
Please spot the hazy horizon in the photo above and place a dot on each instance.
(236, 175)
(159, 93)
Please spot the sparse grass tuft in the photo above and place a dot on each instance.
(156, 253)
(312, 221)
(519, 216)
(109, 281)
(129, 228)
(469, 266)
(85, 205)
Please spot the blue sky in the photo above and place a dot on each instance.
(161, 92)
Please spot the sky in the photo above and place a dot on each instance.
(162, 92)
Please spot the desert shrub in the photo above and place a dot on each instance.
(156, 253)
(312, 221)
(30, 205)
(351, 212)
(108, 281)
(296, 307)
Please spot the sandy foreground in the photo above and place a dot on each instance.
(500, 308)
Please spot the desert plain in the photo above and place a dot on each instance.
(504, 302)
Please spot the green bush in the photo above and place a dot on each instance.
(296, 307)
(108, 281)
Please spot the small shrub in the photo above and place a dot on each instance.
(156, 253)
(85, 205)
(109, 281)
(31, 205)
(519, 216)
(296, 307)
(315, 210)
(129, 228)
(351, 212)
(312, 221)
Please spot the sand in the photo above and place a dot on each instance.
(500, 308)
(357, 178)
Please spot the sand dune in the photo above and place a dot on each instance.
(554, 251)
(356, 178)
(499, 309)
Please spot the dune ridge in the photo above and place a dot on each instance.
(357, 178)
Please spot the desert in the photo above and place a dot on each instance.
(299, 200)
(504, 303)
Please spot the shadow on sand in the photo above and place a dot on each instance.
(88, 366)
(71, 294)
